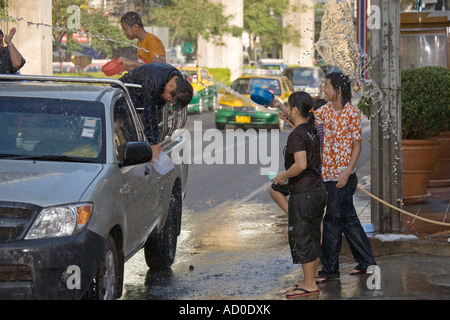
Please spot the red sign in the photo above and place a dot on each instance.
(80, 37)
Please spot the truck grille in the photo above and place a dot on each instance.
(15, 219)
(15, 273)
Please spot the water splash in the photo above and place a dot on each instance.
(337, 44)
(338, 47)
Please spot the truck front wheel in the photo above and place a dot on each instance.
(106, 282)
(160, 248)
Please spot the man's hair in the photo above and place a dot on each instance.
(339, 81)
(131, 18)
(183, 93)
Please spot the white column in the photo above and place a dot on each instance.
(231, 54)
(34, 43)
(303, 21)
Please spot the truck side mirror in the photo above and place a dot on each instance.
(136, 153)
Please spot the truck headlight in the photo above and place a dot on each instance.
(60, 221)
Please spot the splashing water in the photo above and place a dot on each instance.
(338, 47)
(337, 44)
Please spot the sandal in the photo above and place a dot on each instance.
(301, 292)
(355, 271)
(321, 279)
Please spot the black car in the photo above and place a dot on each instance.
(308, 79)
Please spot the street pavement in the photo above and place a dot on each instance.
(413, 264)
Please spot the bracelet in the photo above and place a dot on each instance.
(9, 45)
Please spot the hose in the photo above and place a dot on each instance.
(403, 211)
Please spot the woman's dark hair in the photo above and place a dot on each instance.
(131, 18)
(318, 103)
(304, 103)
(1, 33)
(339, 81)
(183, 93)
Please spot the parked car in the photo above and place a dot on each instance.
(93, 67)
(273, 64)
(67, 67)
(206, 90)
(236, 107)
(308, 79)
(96, 65)
(79, 194)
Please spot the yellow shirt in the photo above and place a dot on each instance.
(150, 48)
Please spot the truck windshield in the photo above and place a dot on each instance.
(52, 129)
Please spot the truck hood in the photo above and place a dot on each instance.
(45, 183)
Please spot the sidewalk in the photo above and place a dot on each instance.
(415, 267)
(436, 208)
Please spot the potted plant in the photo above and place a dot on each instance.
(425, 100)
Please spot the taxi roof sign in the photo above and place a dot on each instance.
(263, 71)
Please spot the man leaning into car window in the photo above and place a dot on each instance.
(161, 83)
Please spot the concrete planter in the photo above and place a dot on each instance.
(440, 176)
(419, 159)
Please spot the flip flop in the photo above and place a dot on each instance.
(355, 271)
(301, 292)
(320, 279)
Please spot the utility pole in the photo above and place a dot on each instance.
(386, 136)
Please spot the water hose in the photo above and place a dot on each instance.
(403, 211)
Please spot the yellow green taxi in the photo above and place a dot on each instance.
(236, 107)
(205, 89)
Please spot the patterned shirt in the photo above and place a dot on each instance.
(341, 129)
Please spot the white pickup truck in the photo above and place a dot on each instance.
(79, 194)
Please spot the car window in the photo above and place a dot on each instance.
(273, 85)
(246, 85)
(191, 75)
(304, 76)
(241, 86)
(52, 127)
(124, 128)
(205, 75)
(289, 85)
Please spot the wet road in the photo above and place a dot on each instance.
(232, 244)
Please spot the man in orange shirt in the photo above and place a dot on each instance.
(150, 47)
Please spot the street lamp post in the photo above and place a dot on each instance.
(386, 161)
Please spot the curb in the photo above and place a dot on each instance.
(380, 248)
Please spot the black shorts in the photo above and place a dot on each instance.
(283, 188)
(306, 211)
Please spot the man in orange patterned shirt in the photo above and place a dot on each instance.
(341, 150)
(150, 47)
